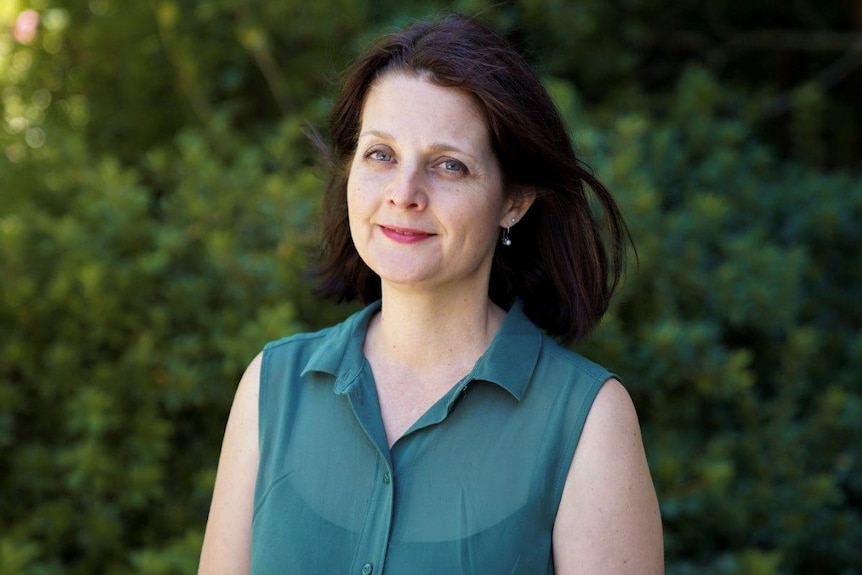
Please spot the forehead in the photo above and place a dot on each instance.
(402, 103)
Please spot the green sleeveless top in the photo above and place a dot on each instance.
(472, 487)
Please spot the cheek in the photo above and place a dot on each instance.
(363, 193)
(355, 204)
(353, 192)
(359, 210)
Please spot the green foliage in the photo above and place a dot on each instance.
(738, 336)
(158, 204)
(133, 307)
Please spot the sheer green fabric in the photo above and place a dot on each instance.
(472, 487)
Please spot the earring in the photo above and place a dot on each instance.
(505, 240)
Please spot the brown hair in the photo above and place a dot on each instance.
(564, 262)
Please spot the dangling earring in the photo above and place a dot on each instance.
(505, 240)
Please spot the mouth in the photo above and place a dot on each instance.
(405, 235)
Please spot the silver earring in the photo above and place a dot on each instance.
(505, 240)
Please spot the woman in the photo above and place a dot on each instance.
(441, 429)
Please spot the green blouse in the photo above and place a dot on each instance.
(472, 487)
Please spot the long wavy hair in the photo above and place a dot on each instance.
(566, 259)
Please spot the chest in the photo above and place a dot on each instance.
(404, 396)
(465, 491)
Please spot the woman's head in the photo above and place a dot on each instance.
(560, 262)
(425, 190)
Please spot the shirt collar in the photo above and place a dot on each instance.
(508, 362)
(340, 354)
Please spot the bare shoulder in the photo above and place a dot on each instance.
(242, 422)
(609, 521)
(227, 539)
(249, 385)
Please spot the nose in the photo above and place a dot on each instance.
(407, 190)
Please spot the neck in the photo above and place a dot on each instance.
(423, 330)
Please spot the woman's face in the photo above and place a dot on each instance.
(425, 191)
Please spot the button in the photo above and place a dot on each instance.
(386, 477)
(367, 569)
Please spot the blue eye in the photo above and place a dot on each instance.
(379, 155)
(453, 166)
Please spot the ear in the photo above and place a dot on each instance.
(520, 199)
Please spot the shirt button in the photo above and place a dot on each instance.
(386, 477)
(367, 569)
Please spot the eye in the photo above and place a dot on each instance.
(379, 155)
(453, 166)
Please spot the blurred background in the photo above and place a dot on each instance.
(158, 206)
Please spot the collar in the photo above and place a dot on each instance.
(508, 362)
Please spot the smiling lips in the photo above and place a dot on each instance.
(405, 235)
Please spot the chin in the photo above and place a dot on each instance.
(402, 272)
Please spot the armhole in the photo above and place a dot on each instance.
(568, 455)
(262, 398)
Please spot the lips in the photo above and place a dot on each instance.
(405, 235)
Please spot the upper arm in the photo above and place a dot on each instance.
(227, 540)
(608, 521)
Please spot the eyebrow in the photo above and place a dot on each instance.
(435, 147)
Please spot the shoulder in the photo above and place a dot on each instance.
(559, 357)
(566, 373)
(336, 336)
(298, 341)
(320, 350)
(613, 412)
(608, 520)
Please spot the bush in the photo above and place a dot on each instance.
(132, 314)
(738, 336)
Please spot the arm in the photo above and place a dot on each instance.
(608, 522)
(227, 539)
